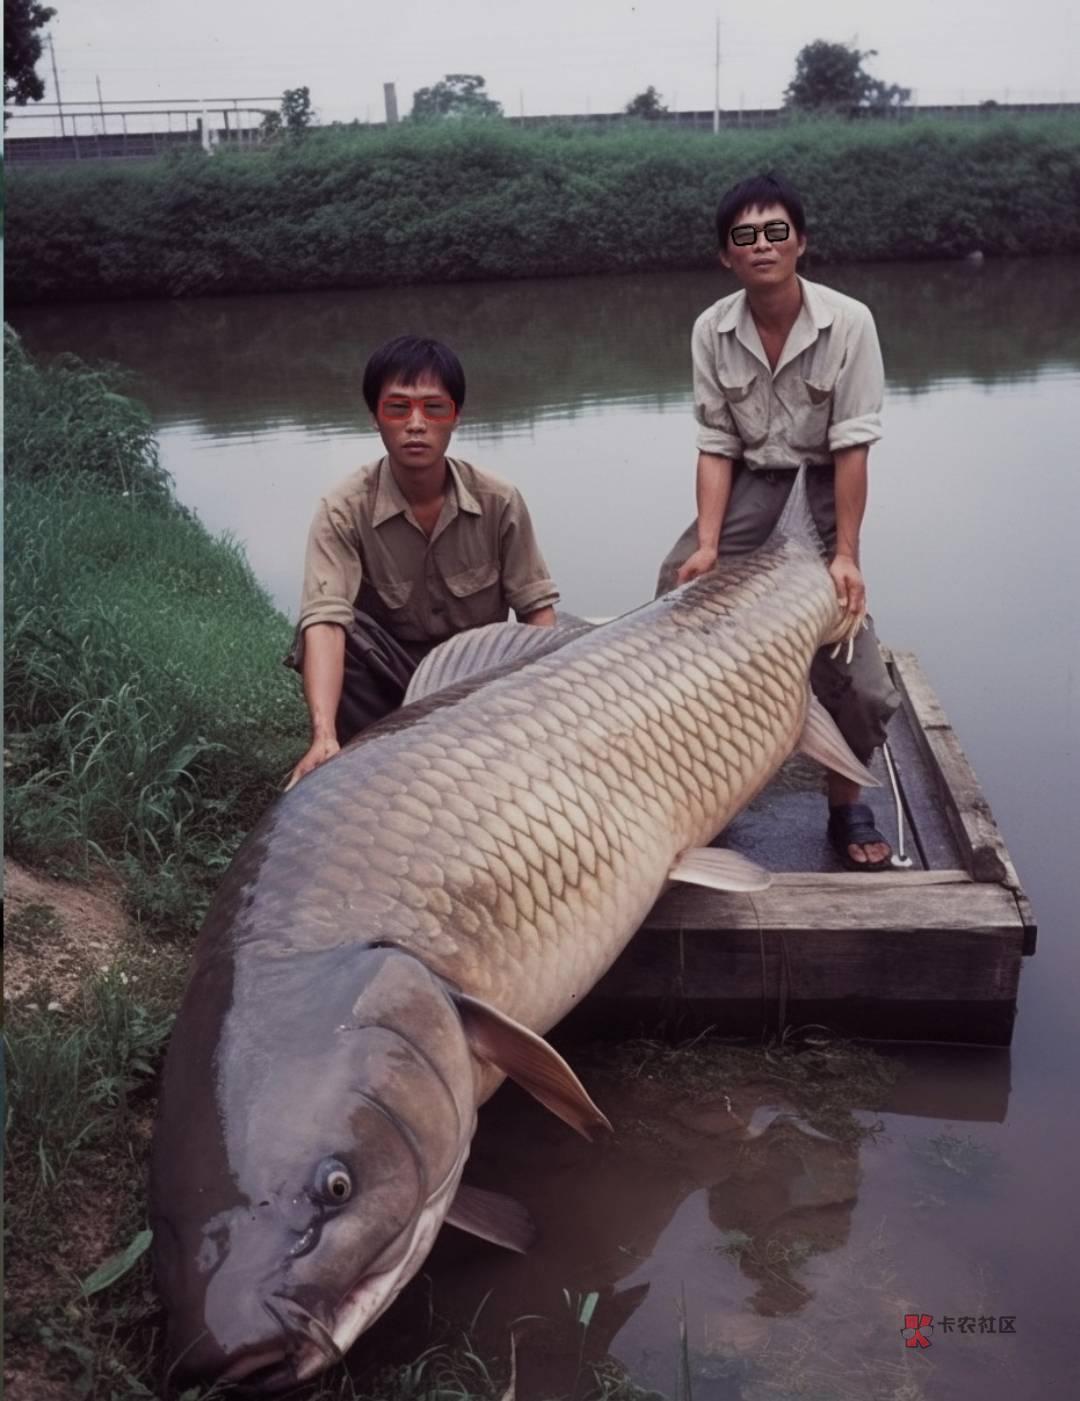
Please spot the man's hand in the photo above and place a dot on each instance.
(848, 581)
(700, 562)
(321, 750)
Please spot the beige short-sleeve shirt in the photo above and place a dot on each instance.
(825, 393)
(365, 549)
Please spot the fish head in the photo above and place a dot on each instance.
(332, 1109)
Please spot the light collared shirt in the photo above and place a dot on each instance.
(825, 393)
(365, 549)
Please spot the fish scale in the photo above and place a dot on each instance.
(513, 839)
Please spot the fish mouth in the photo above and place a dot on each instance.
(305, 1348)
(263, 1371)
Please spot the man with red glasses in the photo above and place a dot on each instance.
(788, 373)
(407, 552)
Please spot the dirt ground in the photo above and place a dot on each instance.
(57, 934)
(57, 931)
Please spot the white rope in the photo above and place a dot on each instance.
(898, 857)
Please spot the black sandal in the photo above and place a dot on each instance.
(852, 824)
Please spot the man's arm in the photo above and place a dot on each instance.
(324, 677)
(714, 476)
(527, 585)
(851, 487)
(539, 617)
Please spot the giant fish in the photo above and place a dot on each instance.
(399, 930)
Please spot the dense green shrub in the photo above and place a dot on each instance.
(465, 201)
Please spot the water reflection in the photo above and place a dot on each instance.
(727, 1196)
(728, 1204)
(535, 348)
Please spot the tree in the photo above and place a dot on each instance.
(22, 49)
(296, 110)
(458, 95)
(295, 116)
(647, 104)
(831, 78)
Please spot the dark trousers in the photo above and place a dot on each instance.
(378, 669)
(859, 694)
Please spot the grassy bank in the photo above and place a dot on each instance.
(149, 718)
(490, 201)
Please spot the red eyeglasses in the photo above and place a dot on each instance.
(437, 408)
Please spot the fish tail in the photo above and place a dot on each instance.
(796, 520)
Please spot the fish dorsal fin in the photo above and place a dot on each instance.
(529, 1060)
(485, 649)
(796, 521)
(492, 1216)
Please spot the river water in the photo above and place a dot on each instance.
(798, 1257)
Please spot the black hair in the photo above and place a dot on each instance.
(758, 193)
(409, 358)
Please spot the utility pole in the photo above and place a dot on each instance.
(716, 87)
(56, 85)
(101, 105)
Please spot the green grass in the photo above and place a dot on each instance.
(68, 423)
(149, 718)
(486, 200)
(80, 1092)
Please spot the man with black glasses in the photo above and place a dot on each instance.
(788, 373)
(407, 552)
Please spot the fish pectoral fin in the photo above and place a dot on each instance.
(821, 740)
(719, 869)
(492, 1216)
(531, 1062)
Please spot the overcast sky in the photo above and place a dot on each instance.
(552, 56)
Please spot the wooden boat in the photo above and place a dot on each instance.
(929, 953)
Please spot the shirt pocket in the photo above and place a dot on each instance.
(475, 595)
(389, 601)
(748, 404)
(810, 429)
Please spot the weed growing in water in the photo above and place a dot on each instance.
(961, 1155)
(825, 1079)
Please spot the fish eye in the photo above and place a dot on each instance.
(333, 1182)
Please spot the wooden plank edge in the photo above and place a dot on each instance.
(973, 823)
(858, 880)
(867, 906)
(982, 844)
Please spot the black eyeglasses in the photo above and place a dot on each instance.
(776, 230)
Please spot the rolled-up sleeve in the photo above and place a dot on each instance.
(332, 569)
(860, 388)
(716, 427)
(526, 583)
